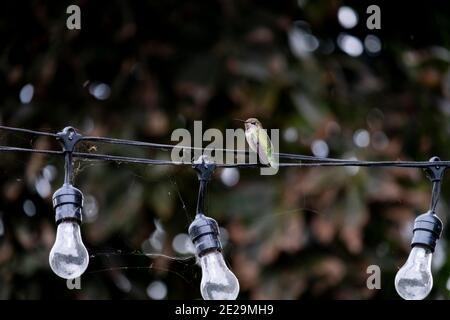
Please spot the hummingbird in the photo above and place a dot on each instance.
(259, 141)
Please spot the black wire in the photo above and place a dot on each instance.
(310, 161)
(290, 156)
(68, 168)
(161, 146)
(435, 195)
(132, 143)
(106, 157)
(358, 163)
(15, 149)
(94, 156)
(38, 133)
(316, 163)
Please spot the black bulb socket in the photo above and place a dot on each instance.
(427, 230)
(68, 204)
(204, 233)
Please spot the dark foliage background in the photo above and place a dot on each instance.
(140, 69)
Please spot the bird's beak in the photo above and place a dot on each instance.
(240, 120)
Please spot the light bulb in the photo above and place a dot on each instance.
(218, 282)
(68, 257)
(414, 280)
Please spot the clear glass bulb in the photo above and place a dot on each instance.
(68, 257)
(414, 280)
(218, 282)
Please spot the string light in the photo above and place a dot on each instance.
(218, 282)
(69, 258)
(414, 280)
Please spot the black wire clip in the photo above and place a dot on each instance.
(69, 138)
(204, 168)
(435, 173)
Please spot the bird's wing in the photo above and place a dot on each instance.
(265, 148)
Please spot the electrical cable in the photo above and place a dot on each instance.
(308, 161)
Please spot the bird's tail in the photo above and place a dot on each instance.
(273, 162)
